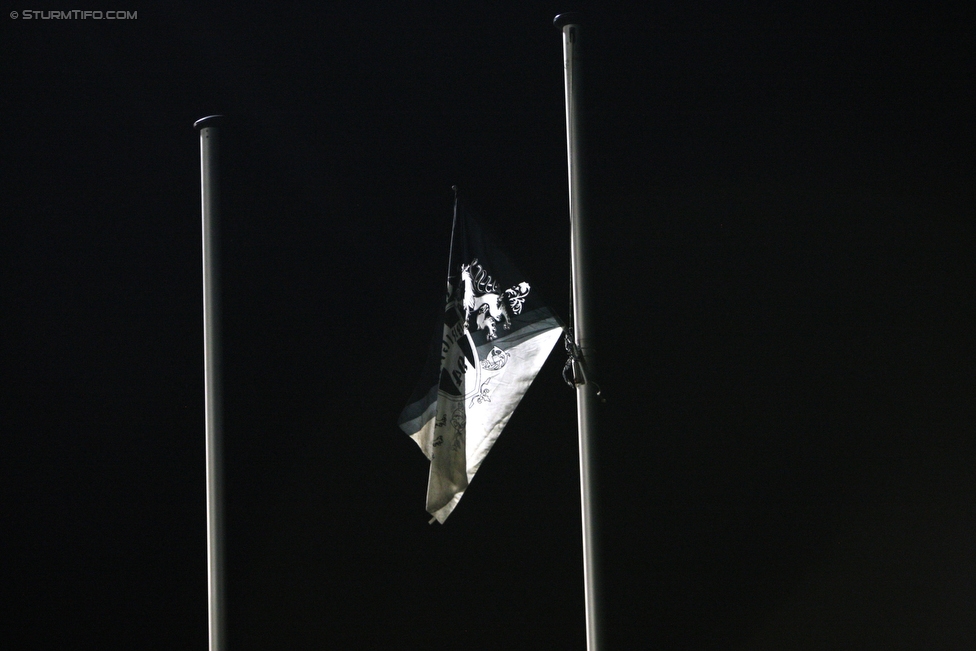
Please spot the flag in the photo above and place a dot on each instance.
(494, 337)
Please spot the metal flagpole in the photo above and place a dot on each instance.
(209, 128)
(587, 392)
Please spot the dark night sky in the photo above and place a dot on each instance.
(784, 206)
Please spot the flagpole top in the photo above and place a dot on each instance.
(209, 121)
(568, 18)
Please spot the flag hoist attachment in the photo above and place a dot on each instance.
(575, 373)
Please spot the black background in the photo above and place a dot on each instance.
(783, 205)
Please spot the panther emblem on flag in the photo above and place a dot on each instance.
(481, 298)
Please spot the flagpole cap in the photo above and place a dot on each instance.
(209, 121)
(568, 18)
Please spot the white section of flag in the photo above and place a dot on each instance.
(456, 433)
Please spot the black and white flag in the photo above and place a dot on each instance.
(494, 338)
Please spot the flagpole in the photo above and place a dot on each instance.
(209, 128)
(587, 397)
